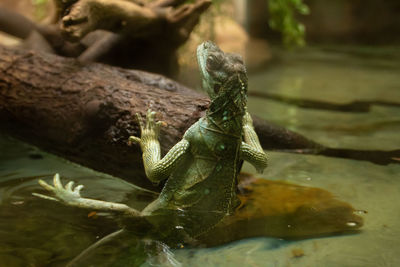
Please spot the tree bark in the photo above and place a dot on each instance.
(85, 113)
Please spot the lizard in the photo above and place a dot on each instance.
(200, 170)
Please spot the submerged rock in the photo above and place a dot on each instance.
(283, 210)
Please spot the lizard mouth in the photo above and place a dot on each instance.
(202, 55)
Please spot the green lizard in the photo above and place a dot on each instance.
(201, 170)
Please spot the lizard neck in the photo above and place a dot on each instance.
(226, 111)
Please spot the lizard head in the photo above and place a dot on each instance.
(223, 75)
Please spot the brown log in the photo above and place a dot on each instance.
(85, 113)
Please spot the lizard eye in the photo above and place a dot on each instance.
(214, 62)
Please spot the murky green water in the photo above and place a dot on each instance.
(35, 232)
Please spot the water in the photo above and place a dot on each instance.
(335, 77)
(35, 232)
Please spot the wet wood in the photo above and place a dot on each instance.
(85, 113)
(283, 210)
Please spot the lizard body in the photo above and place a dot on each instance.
(202, 169)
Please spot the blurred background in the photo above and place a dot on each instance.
(252, 27)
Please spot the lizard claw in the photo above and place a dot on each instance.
(150, 117)
(57, 181)
(78, 189)
(66, 194)
(133, 140)
(162, 123)
(149, 128)
(69, 185)
(140, 121)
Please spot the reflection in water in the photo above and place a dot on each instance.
(121, 248)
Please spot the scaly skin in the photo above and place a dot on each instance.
(201, 170)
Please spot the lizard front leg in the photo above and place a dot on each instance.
(251, 149)
(71, 196)
(157, 169)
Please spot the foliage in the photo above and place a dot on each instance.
(282, 18)
(40, 8)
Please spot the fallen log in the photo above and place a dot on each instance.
(85, 113)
